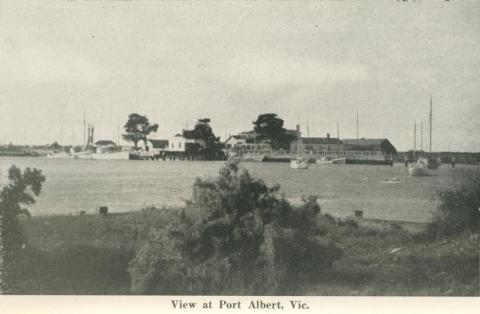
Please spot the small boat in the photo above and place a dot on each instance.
(339, 161)
(324, 161)
(255, 157)
(83, 155)
(334, 161)
(299, 162)
(120, 155)
(420, 168)
(59, 155)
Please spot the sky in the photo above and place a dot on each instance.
(312, 63)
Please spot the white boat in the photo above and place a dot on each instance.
(59, 155)
(334, 161)
(324, 161)
(339, 161)
(83, 155)
(299, 162)
(252, 157)
(419, 169)
(121, 155)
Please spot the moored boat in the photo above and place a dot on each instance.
(299, 162)
(120, 155)
(419, 169)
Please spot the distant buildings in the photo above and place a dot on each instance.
(373, 150)
(355, 151)
(319, 146)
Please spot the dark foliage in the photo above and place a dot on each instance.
(459, 208)
(210, 148)
(20, 191)
(240, 238)
(137, 128)
(269, 127)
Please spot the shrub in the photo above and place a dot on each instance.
(459, 208)
(19, 191)
(237, 237)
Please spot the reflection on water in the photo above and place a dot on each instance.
(74, 185)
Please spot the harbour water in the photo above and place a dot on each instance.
(76, 185)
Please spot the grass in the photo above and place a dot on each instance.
(90, 255)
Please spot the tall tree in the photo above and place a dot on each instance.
(269, 126)
(137, 128)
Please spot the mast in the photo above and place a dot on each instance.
(357, 126)
(414, 139)
(338, 140)
(421, 136)
(298, 140)
(430, 148)
(84, 130)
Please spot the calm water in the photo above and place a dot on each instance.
(74, 185)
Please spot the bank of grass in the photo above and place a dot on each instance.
(91, 254)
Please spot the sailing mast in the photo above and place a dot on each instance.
(414, 138)
(84, 122)
(338, 140)
(298, 141)
(430, 148)
(357, 126)
(421, 136)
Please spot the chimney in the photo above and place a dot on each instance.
(328, 135)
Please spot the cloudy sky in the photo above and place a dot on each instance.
(313, 63)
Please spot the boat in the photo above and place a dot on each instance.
(59, 155)
(339, 161)
(333, 161)
(119, 155)
(419, 169)
(253, 157)
(299, 162)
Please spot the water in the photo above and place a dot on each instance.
(75, 185)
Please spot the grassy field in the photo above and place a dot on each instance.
(90, 255)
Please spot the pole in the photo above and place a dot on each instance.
(84, 122)
(357, 126)
(338, 140)
(430, 148)
(415, 138)
(421, 135)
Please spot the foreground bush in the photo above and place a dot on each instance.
(20, 191)
(237, 236)
(459, 208)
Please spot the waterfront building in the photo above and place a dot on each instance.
(369, 150)
(319, 146)
(180, 144)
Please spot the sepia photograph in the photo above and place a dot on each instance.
(240, 148)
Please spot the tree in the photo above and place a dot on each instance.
(269, 126)
(19, 191)
(55, 146)
(203, 132)
(137, 128)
